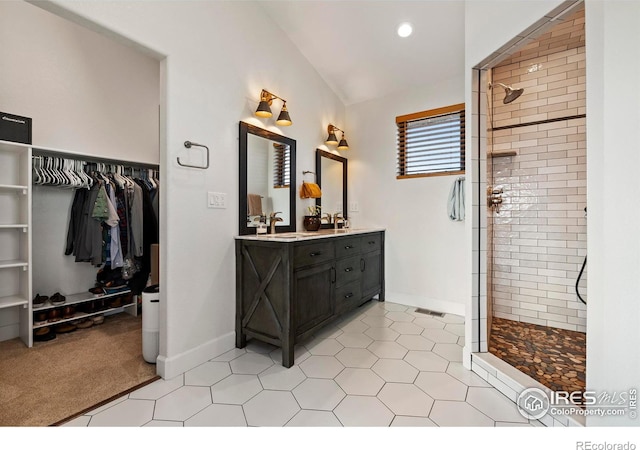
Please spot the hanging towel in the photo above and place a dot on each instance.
(310, 190)
(254, 202)
(456, 200)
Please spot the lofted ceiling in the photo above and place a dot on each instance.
(354, 46)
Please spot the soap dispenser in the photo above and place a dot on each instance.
(262, 225)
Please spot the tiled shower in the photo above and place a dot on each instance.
(536, 165)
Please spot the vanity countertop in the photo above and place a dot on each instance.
(308, 235)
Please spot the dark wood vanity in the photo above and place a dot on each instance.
(290, 285)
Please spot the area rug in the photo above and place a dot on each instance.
(56, 380)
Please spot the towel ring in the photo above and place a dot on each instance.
(304, 172)
(189, 144)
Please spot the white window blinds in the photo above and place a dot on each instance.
(431, 142)
(281, 166)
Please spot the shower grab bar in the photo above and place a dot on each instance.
(189, 144)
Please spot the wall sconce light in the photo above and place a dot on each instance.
(264, 108)
(333, 140)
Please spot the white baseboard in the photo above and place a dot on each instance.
(427, 303)
(10, 331)
(169, 367)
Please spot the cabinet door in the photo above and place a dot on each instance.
(314, 292)
(371, 268)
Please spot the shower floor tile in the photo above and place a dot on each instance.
(553, 356)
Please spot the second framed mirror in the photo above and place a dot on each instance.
(331, 173)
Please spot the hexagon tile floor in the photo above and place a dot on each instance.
(382, 365)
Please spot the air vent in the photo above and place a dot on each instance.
(429, 312)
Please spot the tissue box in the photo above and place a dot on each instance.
(15, 128)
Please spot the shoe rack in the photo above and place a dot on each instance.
(15, 242)
(83, 306)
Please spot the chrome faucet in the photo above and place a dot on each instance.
(336, 218)
(273, 218)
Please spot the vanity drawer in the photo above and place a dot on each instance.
(347, 296)
(371, 243)
(314, 253)
(348, 247)
(347, 270)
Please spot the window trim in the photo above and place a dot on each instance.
(423, 115)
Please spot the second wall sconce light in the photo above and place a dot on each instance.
(264, 108)
(333, 140)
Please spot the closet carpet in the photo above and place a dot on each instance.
(55, 380)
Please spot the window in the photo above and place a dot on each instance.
(431, 142)
(281, 166)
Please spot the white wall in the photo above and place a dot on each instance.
(84, 92)
(613, 192)
(425, 251)
(213, 74)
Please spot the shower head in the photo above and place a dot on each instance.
(510, 93)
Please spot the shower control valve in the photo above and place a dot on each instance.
(494, 198)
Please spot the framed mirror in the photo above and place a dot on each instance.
(267, 179)
(331, 174)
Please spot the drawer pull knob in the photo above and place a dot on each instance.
(315, 254)
(349, 295)
(348, 269)
(348, 247)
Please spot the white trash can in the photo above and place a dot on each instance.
(151, 323)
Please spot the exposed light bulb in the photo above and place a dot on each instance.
(405, 29)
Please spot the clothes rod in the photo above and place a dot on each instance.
(92, 159)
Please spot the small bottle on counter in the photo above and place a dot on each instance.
(261, 228)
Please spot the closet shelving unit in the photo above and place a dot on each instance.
(15, 241)
(16, 267)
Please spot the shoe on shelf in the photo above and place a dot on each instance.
(44, 334)
(86, 323)
(54, 315)
(65, 328)
(39, 300)
(97, 320)
(58, 299)
(97, 291)
(115, 302)
(68, 311)
(40, 318)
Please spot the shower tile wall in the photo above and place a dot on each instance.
(539, 236)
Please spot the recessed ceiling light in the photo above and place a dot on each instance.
(405, 29)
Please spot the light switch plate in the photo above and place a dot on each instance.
(354, 207)
(217, 200)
